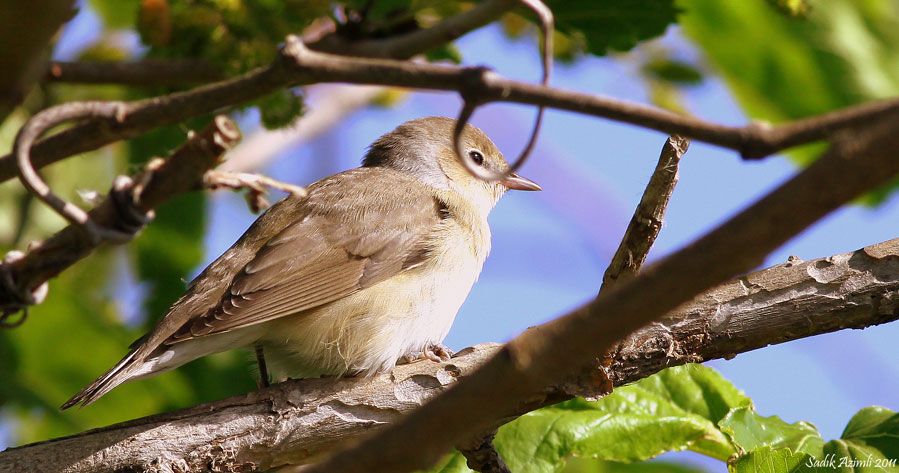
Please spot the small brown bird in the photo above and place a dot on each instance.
(368, 269)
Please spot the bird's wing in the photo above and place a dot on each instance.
(350, 235)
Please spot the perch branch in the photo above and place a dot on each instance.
(290, 423)
(298, 65)
(162, 180)
(855, 163)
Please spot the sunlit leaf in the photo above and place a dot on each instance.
(676, 409)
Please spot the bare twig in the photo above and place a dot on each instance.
(301, 66)
(256, 186)
(647, 220)
(292, 423)
(855, 163)
(147, 72)
(471, 102)
(32, 181)
(162, 180)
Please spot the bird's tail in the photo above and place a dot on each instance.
(116, 375)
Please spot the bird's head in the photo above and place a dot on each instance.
(423, 148)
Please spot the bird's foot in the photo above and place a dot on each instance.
(434, 352)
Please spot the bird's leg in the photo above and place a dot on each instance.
(435, 352)
(263, 381)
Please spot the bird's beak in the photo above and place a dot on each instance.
(514, 181)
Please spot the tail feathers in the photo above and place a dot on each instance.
(117, 375)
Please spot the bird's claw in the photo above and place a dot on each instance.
(436, 352)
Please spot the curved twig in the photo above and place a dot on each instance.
(32, 130)
(471, 102)
(23, 276)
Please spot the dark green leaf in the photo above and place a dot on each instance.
(613, 25)
(674, 71)
(280, 109)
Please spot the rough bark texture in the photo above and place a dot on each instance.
(292, 422)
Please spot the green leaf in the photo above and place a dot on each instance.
(674, 410)
(280, 109)
(674, 71)
(116, 14)
(797, 8)
(613, 25)
(452, 463)
(447, 52)
(845, 52)
(768, 460)
(584, 465)
(870, 443)
(750, 431)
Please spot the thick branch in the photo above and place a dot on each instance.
(549, 354)
(298, 65)
(292, 422)
(163, 180)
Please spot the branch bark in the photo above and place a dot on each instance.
(647, 220)
(290, 423)
(145, 73)
(854, 164)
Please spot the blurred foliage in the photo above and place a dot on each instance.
(599, 27)
(836, 53)
(683, 408)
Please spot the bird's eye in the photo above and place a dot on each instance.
(476, 156)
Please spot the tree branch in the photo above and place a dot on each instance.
(298, 65)
(147, 72)
(162, 180)
(854, 164)
(647, 220)
(292, 422)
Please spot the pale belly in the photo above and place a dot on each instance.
(370, 330)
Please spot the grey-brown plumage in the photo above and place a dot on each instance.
(370, 266)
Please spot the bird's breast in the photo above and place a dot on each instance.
(370, 329)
